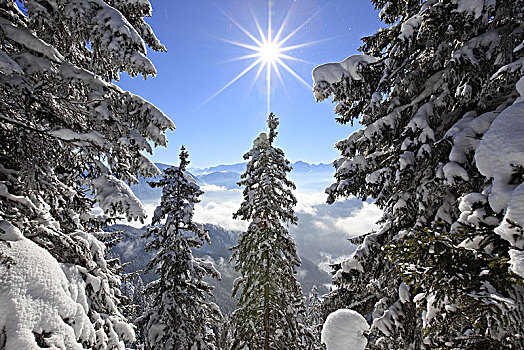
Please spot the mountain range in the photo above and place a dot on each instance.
(226, 176)
(131, 251)
(321, 234)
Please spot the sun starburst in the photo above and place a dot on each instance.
(268, 52)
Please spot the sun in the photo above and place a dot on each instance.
(268, 52)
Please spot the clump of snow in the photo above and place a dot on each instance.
(499, 151)
(520, 90)
(465, 134)
(331, 73)
(91, 137)
(8, 66)
(473, 7)
(158, 121)
(115, 196)
(490, 41)
(8, 232)
(4, 192)
(36, 298)
(384, 10)
(517, 261)
(472, 210)
(103, 19)
(516, 66)
(147, 167)
(351, 264)
(431, 310)
(514, 215)
(406, 160)
(453, 171)
(26, 38)
(403, 292)
(498, 155)
(375, 177)
(408, 27)
(520, 86)
(344, 330)
(420, 122)
(261, 140)
(399, 206)
(389, 319)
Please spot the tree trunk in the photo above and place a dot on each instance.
(266, 316)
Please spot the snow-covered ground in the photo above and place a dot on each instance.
(40, 296)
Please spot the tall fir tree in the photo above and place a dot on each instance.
(435, 94)
(314, 318)
(270, 302)
(181, 315)
(70, 139)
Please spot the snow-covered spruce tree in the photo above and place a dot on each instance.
(270, 302)
(65, 132)
(314, 317)
(181, 315)
(140, 304)
(435, 93)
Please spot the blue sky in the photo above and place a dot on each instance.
(195, 67)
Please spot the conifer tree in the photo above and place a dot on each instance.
(181, 315)
(270, 301)
(140, 302)
(314, 318)
(70, 139)
(433, 92)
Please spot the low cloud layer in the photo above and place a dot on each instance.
(322, 230)
(213, 188)
(306, 202)
(361, 222)
(220, 213)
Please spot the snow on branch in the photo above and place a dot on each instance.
(331, 73)
(114, 196)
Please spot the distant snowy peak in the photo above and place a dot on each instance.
(234, 168)
(306, 176)
(298, 166)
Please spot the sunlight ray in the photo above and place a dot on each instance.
(268, 50)
(251, 36)
(240, 75)
(259, 28)
(298, 46)
(297, 29)
(275, 66)
(284, 22)
(241, 58)
(291, 58)
(260, 69)
(268, 87)
(269, 40)
(236, 43)
(292, 72)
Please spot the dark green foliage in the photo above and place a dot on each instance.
(180, 316)
(459, 280)
(440, 74)
(70, 139)
(270, 303)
